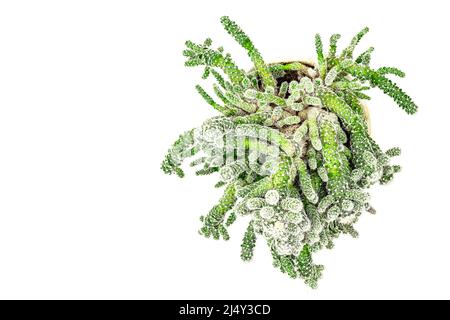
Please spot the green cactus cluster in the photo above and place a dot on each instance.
(291, 145)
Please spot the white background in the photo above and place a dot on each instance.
(92, 93)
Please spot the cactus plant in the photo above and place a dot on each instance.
(291, 145)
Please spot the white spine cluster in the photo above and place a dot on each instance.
(282, 220)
